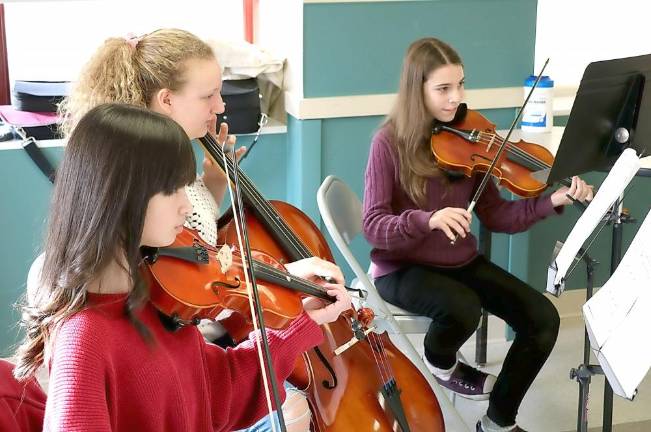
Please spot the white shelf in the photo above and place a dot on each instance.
(272, 127)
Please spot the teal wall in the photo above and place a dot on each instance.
(24, 198)
(357, 48)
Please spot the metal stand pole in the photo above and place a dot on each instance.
(583, 373)
(619, 218)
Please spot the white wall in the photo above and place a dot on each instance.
(51, 40)
(574, 33)
(280, 30)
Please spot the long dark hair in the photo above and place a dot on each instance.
(117, 158)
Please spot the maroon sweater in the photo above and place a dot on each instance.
(398, 229)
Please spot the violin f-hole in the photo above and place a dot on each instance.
(228, 285)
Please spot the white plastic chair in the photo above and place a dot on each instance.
(341, 211)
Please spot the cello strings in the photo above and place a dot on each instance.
(263, 205)
(274, 217)
(383, 364)
(254, 317)
(384, 351)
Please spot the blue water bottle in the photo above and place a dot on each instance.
(537, 115)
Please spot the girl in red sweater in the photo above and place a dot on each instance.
(412, 210)
(173, 72)
(113, 364)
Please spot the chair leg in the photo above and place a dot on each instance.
(481, 340)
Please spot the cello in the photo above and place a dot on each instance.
(369, 386)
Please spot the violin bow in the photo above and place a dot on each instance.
(254, 299)
(501, 149)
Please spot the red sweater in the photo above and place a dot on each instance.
(21, 404)
(104, 377)
(398, 229)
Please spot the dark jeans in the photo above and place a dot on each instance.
(454, 297)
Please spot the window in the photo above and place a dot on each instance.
(51, 40)
(577, 32)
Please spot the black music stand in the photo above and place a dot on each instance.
(602, 124)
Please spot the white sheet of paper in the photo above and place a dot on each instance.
(618, 317)
(612, 187)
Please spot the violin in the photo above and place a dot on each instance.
(469, 144)
(191, 280)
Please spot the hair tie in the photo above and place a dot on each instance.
(132, 40)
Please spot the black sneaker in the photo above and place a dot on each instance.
(468, 382)
(516, 429)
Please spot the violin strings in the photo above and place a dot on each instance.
(517, 151)
(484, 139)
(272, 272)
(252, 192)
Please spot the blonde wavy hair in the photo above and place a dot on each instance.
(131, 71)
(409, 121)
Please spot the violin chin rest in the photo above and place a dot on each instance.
(460, 115)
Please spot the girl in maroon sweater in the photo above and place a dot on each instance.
(113, 363)
(412, 210)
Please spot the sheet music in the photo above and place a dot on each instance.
(618, 317)
(612, 187)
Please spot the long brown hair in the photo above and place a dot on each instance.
(409, 120)
(116, 159)
(131, 71)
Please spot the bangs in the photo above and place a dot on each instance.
(136, 153)
(171, 164)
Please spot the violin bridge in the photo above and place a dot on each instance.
(490, 143)
(225, 258)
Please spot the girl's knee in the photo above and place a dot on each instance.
(550, 319)
(547, 326)
(296, 412)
